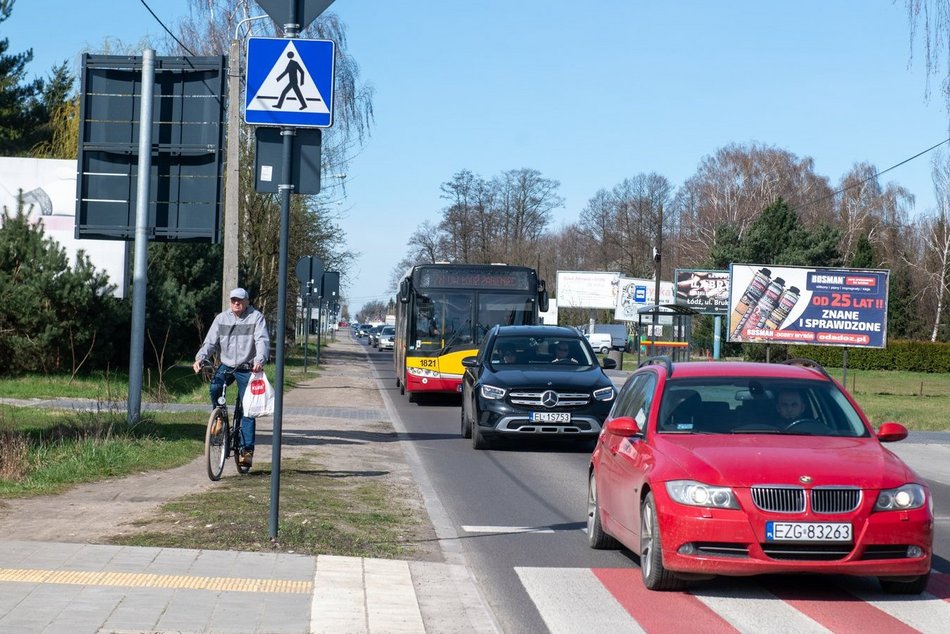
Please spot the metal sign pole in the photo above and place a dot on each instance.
(306, 327)
(285, 190)
(140, 268)
(319, 326)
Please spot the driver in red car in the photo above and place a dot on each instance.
(790, 405)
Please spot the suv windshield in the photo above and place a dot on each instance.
(735, 405)
(541, 350)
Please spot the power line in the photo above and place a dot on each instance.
(162, 24)
(870, 178)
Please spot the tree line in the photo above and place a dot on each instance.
(751, 203)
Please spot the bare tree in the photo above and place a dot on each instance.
(597, 226)
(937, 240)
(933, 18)
(864, 208)
(623, 223)
(524, 203)
(460, 219)
(735, 184)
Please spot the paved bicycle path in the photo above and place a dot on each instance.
(62, 586)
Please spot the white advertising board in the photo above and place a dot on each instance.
(636, 293)
(587, 289)
(49, 186)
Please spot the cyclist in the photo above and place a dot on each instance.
(239, 336)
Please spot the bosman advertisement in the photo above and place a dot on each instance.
(816, 306)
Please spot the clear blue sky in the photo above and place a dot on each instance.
(588, 93)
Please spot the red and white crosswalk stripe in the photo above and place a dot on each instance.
(614, 599)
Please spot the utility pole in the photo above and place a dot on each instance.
(657, 260)
(229, 274)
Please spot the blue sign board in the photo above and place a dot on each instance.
(289, 82)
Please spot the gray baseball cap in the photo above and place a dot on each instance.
(238, 293)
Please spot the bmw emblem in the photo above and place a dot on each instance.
(549, 398)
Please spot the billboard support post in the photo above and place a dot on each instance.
(717, 336)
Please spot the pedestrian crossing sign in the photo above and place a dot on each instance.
(289, 82)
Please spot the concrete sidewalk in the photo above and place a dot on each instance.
(78, 587)
(73, 588)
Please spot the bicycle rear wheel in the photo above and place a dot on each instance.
(216, 442)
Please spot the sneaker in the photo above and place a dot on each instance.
(246, 458)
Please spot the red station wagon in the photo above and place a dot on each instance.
(713, 468)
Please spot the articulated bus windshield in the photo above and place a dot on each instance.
(449, 319)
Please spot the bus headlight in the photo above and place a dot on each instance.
(423, 372)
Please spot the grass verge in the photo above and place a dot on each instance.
(178, 384)
(320, 513)
(47, 451)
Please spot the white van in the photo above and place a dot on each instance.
(617, 333)
(600, 342)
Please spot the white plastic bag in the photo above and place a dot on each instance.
(258, 397)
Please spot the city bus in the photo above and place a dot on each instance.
(444, 310)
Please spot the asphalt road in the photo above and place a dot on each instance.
(522, 507)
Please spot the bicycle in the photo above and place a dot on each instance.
(221, 440)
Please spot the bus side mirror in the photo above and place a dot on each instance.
(404, 291)
(542, 297)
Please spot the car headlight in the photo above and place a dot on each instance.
(492, 392)
(699, 494)
(908, 496)
(604, 394)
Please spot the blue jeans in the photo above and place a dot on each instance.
(225, 375)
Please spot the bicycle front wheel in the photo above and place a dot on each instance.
(216, 442)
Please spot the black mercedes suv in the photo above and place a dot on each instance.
(534, 380)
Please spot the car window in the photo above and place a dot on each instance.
(635, 402)
(511, 351)
(736, 405)
(628, 393)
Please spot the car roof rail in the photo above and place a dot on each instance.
(660, 359)
(807, 363)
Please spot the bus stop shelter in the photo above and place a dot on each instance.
(676, 346)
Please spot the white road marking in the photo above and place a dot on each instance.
(508, 529)
(573, 600)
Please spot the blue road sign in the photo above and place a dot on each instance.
(289, 82)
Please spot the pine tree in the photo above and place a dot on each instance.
(863, 254)
(53, 317)
(17, 96)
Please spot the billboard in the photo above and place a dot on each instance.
(49, 191)
(633, 293)
(587, 289)
(801, 305)
(705, 291)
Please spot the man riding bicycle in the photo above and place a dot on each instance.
(239, 336)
